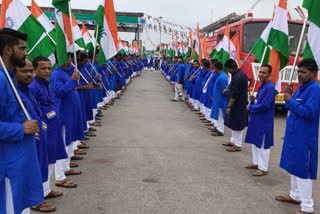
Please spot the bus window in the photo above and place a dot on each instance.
(294, 36)
(251, 33)
(253, 30)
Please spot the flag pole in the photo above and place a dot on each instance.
(95, 48)
(14, 89)
(54, 42)
(298, 48)
(256, 79)
(73, 42)
(245, 60)
(80, 74)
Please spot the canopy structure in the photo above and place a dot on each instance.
(127, 21)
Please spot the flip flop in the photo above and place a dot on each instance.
(259, 173)
(228, 144)
(288, 199)
(233, 149)
(63, 184)
(252, 166)
(53, 194)
(42, 208)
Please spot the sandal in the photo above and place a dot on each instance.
(72, 172)
(228, 144)
(44, 207)
(53, 194)
(66, 184)
(79, 152)
(73, 165)
(303, 212)
(234, 149)
(259, 172)
(76, 157)
(89, 134)
(288, 199)
(252, 166)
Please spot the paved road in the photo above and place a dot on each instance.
(153, 156)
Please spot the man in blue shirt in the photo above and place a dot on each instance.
(260, 128)
(20, 178)
(300, 146)
(179, 80)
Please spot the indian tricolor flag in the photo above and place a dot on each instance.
(312, 49)
(77, 33)
(15, 15)
(121, 48)
(197, 45)
(261, 45)
(216, 50)
(204, 47)
(108, 31)
(42, 18)
(63, 30)
(227, 50)
(189, 51)
(86, 38)
(279, 40)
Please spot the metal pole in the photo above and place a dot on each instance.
(256, 79)
(80, 74)
(298, 48)
(72, 35)
(13, 87)
(95, 48)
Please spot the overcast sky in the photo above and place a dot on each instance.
(184, 12)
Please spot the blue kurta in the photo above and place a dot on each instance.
(180, 74)
(42, 151)
(204, 94)
(191, 84)
(42, 93)
(151, 62)
(220, 101)
(92, 92)
(300, 146)
(209, 94)
(68, 104)
(199, 84)
(18, 153)
(262, 117)
(145, 62)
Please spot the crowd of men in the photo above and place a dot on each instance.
(218, 93)
(65, 104)
(153, 63)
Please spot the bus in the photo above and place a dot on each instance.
(249, 30)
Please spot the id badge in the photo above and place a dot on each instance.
(51, 114)
(44, 126)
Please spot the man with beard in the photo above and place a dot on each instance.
(236, 113)
(20, 178)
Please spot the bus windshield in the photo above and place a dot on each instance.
(253, 30)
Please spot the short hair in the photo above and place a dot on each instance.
(10, 37)
(38, 59)
(267, 66)
(230, 63)
(180, 57)
(309, 64)
(213, 61)
(203, 60)
(82, 56)
(196, 61)
(218, 65)
(206, 64)
(91, 53)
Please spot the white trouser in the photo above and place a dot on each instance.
(100, 104)
(184, 95)
(196, 104)
(63, 165)
(220, 122)
(202, 108)
(260, 157)
(9, 200)
(46, 185)
(176, 94)
(236, 137)
(301, 190)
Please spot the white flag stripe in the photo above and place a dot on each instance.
(17, 13)
(280, 22)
